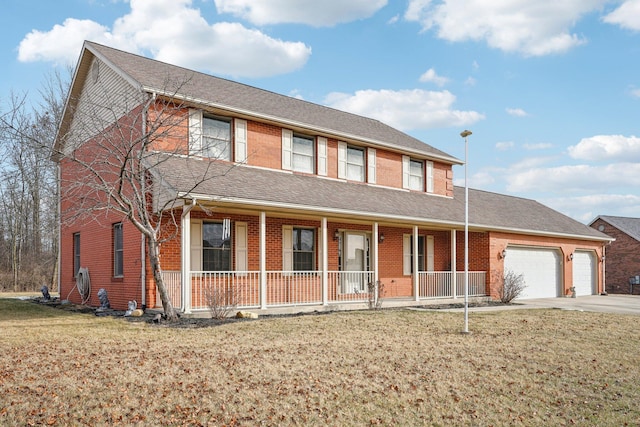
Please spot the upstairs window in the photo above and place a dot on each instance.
(302, 158)
(216, 138)
(209, 136)
(416, 175)
(298, 152)
(351, 162)
(355, 164)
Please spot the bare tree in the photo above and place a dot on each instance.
(109, 158)
(28, 186)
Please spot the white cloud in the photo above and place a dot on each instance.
(587, 208)
(316, 13)
(405, 109)
(431, 76)
(538, 146)
(607, 147)
(635, 93)
(470, 81)
(174, 32)
(62, 43)
(504, 146)
(572, 178)
(627, 15)
(516, 112)
(533, 28)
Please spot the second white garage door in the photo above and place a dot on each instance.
(540, 267)
(584, 272)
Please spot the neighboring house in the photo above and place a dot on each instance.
(307, 204)
(623, 254)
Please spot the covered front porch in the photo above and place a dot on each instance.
(258, 259)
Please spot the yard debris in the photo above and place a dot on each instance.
(246, 315)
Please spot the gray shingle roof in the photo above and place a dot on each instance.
(268, 188)
(629, 226)
(157, 76)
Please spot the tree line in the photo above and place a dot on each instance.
(28, 187)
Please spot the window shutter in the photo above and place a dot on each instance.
(371, 165)
(287, 148)
(406, 167)
(322, 156)
(406, 254)
(342, 160)
(287, 248)
(429, 174)
(240, 140)
(318, 261)
(241, 247)
(429, 249)
(195, 130)
(196, 246)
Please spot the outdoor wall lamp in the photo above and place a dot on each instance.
(570, 257)
(381, 238)
(503, 254)
(336, 235)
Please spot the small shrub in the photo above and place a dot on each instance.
(221, 302)
(512, 286)
(376, 292)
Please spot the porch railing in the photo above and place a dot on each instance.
(439, 284)
(172, 281)
(349, 286)
(291, 288)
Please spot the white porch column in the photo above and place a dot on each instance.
(185, 261)
(325, 263)
(376, 274)
(454, 285)
(263, 260)
(416, 276)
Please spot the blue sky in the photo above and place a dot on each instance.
(550, 89)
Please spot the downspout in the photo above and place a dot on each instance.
(59, 248)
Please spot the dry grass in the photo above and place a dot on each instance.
(389, 367)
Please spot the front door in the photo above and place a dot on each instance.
(355, 262)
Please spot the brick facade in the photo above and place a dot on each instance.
(622, 259)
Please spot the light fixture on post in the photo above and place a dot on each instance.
(465, 134)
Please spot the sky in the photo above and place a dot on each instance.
(549, 88)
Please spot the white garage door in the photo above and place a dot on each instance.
(540, 267)
(584, 272)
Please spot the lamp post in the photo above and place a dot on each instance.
(465, 134)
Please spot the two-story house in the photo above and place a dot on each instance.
(302, 204)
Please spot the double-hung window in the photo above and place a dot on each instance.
(298, 152)
(216, 138)
(76, 254)
(416, 175)
(355, 164)
(216, 247)
(303, 249)
(302, 153)
(118, 250)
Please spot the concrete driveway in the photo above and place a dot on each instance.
(619, 304)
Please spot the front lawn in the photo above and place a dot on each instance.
(389, 367)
